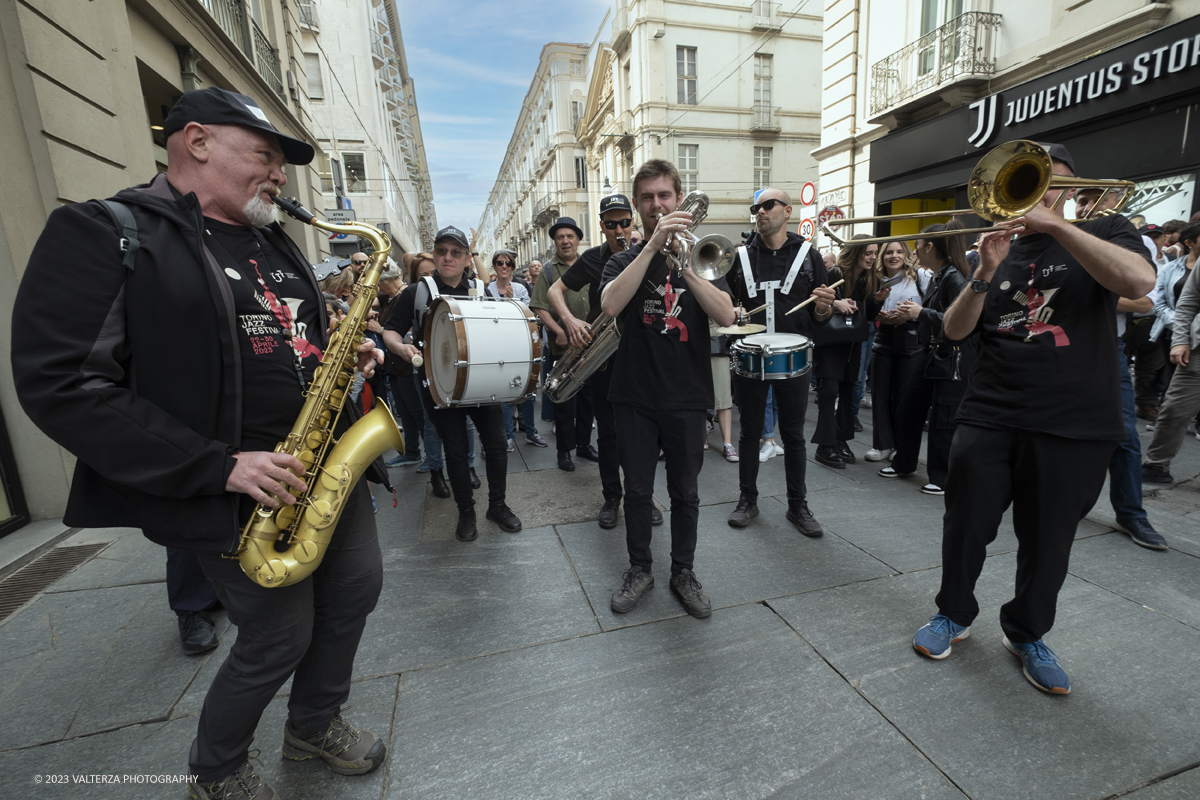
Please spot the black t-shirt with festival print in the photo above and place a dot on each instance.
(663, 358)
(276, 310)
(1048, 343)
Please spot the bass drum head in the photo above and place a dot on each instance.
(445, 345)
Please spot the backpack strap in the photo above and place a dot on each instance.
(123, 219)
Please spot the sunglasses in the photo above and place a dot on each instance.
(613, 224)
(766, 205)
(359, 263)
(502, 264)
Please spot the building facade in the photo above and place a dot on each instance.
(84, 89)
(917, 92)
(728, 91)
(364, 117)
(542, 176)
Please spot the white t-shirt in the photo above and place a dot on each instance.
(908, 289)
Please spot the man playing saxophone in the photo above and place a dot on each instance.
(616, 218)
(181, 447)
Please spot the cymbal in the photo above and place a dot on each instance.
(740, 329)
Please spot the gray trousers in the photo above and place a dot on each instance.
(311, 628)
(1178, 409)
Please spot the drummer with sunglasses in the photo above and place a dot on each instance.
(782, 269)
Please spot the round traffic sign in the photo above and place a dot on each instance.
(807, 228)
(808, 194)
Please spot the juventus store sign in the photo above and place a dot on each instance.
(1132, 113)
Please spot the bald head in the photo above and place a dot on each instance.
(777, 194)
(233, 171)
(774, 209)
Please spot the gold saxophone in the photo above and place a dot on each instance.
(281, 546)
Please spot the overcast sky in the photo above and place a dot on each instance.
(472, 63)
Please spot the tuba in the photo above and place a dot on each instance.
(282, 546)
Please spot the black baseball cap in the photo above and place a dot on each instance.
(1152, 230)
(453, 234)
(215, 106)
(615, 202)
(1059, 152)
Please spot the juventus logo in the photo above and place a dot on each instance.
(987, 121)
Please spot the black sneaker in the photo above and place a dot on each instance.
(830, 457)
(475, 482)
(346, 749)
(1156, 473)
(1142, 533)
(857, 426)
(503, 516)
(438, 481)
(608, 513)
(466, 531)
(691, 594)
(197, 633)
(846, 453)
(564, 461)
(745, 511)
(588, 452)
(634, 584)
(804, 521)
(655, 516)
(242, 784)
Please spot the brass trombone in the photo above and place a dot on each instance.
(1007, 183)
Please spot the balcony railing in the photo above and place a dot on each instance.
(962, 49)
(308, 14)
(231, 16)
(765, 118)
(620, 28)
(766, 15)
(266, 59)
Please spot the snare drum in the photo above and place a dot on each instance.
(480, 352)
(771, 356)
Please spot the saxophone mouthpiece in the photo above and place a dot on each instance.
(293, 208)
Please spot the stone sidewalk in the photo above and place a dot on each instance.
(497, 670)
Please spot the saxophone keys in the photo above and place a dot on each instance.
(306, 552)
(285, 516)
(314, 439)
(271, 573)
(319, 512)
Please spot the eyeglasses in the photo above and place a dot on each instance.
(613, 224)
(766, 205)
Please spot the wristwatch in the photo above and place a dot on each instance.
(980, 286)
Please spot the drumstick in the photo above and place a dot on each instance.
(417, 361)
(814, 297)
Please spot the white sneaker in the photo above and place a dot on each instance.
(778, 449)
(767, 451)
(878, 455)
(865, 402)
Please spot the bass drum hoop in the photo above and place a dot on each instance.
(445, 307)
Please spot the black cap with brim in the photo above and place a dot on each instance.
(215, 106)
(453, 234)
(566, 222)
(1059, 152)
(615, 202)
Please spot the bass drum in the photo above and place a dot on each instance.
(481, 352)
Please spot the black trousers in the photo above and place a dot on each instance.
(606, 432)
(451, 426)
(681, 435)
(1148, 358)
(573, 418)
(188, 588)
(311, 628)
(891, 374)
(919, 398)
(836, 424)
(1051, 484)
(407, 402)
(791, 400)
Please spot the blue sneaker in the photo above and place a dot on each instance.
(424, 466)
(1041, 666)
(935, 638)
(405, 460)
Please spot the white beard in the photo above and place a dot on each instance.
(259, 212)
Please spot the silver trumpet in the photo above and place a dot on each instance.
(711, 256)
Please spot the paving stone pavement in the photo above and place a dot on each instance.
(497, 670)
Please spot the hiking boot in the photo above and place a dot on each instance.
(242, 784)
(634, 584)
(691, 594)
(197, 633)
(805, 522)
(1040, 666)
(346, 749)
(466, 530)
(1156, 473)
(745, 511)
(608, 513)
(503, 516)
(935, 637)
(830, 457)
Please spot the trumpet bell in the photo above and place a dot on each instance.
(1010, 180)
(711, 256)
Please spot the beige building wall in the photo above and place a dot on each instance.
(81, 85)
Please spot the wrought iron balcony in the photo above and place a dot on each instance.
(765, 118)
(962, 49)
(766, 15)
(231, 17)
(266, 59)
(308, 14)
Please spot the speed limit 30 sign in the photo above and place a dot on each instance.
(807, 228)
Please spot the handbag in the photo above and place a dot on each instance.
(841, 329)
(945, 361)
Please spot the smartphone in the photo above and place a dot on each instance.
(892, 281)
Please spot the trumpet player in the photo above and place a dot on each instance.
(783, 269)
(616, 220)
(661, 384)
(184, 451)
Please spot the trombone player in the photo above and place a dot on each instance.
(1041, 415)
(661, 383)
